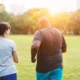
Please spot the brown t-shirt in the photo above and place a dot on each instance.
(49, 55)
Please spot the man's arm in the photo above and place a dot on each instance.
(35, 46)
(64, 46)
(64, 50)
(34, 49)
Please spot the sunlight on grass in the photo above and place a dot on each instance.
(26, 70)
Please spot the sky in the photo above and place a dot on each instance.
(53, 5)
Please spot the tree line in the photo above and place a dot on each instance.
(27, 23)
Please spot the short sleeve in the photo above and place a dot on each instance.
(13, 45)
(63, 43)
(37, 36)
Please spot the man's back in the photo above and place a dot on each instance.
(50, 52)
(48, 44)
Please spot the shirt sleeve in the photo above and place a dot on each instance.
(13, 46)
(63, 43)
(37, 36)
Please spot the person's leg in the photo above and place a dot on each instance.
(56, 74)
(10, 77)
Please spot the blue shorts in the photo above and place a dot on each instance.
(9, 77)
(55, 74)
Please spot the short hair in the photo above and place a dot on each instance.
(3, 27)
(44, 20)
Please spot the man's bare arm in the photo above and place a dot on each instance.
(64, 50)
(64, 46)
(34, 50)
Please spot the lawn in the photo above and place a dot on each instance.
(26, 69)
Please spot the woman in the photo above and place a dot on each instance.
(7, 51)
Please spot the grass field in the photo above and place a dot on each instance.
(26, 70)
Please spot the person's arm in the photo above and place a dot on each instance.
(15, 57)
(14, 53)
(34, 49)
(35, 46)
(64, 46)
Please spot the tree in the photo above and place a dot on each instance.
(75, 22)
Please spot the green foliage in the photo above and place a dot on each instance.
(4, 16)
(27, 23)
(76, 22)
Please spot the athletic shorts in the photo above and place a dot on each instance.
(55, 74)
(9, 77)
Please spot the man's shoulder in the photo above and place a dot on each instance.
(37, 32)
(40, 30)
(57, 30)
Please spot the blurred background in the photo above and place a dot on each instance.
(23, 15)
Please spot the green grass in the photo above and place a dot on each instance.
(26, 70)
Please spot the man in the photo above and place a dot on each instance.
(48, 44)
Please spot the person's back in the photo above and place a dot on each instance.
(50, 52)
(7, 54)
(6, 63)
(48, 44)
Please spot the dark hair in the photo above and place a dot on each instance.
(3, 27)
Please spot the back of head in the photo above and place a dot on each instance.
(44, 22)
(3, 27)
